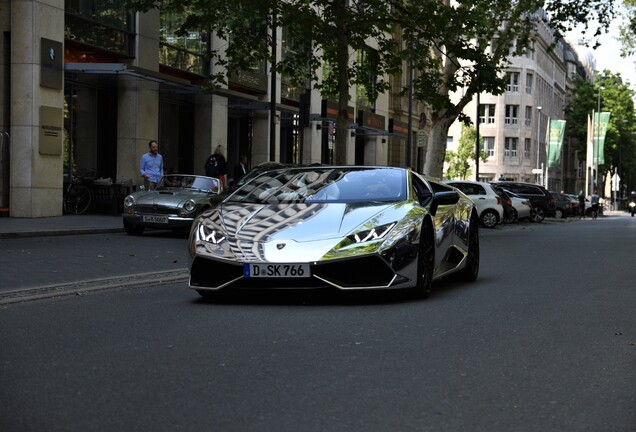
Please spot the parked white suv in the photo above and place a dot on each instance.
(486, 200)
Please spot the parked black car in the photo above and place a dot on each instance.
(563, 204)
(541, 199)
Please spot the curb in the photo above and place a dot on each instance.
(59, 232)
(92, 286)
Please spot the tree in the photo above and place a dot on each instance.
(617, 98)
(459, 162)
(453, 45)
(628, 28)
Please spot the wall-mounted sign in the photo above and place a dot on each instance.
(399, 128)
(51, 130)
(330, 111)
(371, 120)
(248, 79)
(51, 64)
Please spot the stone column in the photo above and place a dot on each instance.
(137, 124)
(36, 158)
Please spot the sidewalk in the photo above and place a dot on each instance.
(12, 227)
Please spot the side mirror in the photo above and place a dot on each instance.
(443, 198)
(215, 187)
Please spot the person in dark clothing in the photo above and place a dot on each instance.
(240, 169)
(216, 166)
(581, 203)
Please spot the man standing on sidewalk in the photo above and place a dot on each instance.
(151, 166)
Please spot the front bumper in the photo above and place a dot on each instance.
(174, 221)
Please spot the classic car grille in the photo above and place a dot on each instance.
(351, 273)
(156, 210)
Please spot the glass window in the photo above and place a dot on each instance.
(489, 146)
(529, 79)
(513, 82)
(510, 147)
(106, 25)
(526, 148)
(185, 52)
(487, 113)
(528, 119)
(512, 114)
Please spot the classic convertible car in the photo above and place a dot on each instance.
(173, 205)
(342, 227)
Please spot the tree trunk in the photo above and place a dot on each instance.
(342, 122)
(436, 148)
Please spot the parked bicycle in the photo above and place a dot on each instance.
(77, 195)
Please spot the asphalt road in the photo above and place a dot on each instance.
(545, 340)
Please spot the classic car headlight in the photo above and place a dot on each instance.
(189, 205)
(372, 234)
(209, 234)
(129, 201)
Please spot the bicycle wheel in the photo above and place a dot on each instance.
(77, 200)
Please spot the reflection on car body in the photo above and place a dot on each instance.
(341, 227)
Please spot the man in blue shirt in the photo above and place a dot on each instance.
(151, 166)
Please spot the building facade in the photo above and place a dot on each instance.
(86, 85)
(514, 125)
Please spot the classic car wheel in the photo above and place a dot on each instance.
(425, 262)
(133, 229)
(470, 272)
(489, 218)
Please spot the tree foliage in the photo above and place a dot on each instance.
(460, 44)
(459, 162)
(616, 97)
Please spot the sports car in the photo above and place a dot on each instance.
(173, 205)
(342, 227)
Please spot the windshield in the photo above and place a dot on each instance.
(324, 184)
(177, 181)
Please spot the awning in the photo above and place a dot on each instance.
(173, 83)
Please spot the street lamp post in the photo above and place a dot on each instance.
(538, 136)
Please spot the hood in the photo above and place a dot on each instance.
(163, 197)
(300, 222)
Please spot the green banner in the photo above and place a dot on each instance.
(555, 142)
(600, 128)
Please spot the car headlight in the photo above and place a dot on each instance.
(632, 204)
(372, 234)
(129, 201)
(189, 205)
(210, 234)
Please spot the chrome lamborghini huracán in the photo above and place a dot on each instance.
(342, 227)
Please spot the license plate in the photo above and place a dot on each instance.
(155, 219)
(276, 270)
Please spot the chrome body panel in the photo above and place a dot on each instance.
(349, 243)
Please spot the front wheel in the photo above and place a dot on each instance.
(559, 214)
(511, 217)
(489, 218)
(538, 214)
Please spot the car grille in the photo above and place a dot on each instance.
(160, 210)
(362, 272)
